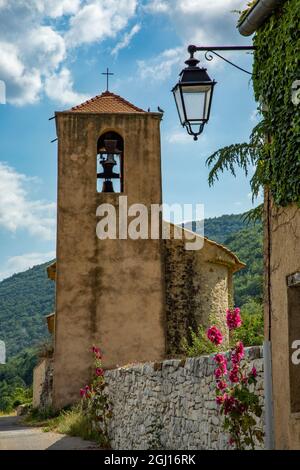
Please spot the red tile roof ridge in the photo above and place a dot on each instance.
(105, 94)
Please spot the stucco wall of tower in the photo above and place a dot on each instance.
(109, 292)
(282, 258)
(198, 289)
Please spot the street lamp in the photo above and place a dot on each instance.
(194, 91)
(193, 95)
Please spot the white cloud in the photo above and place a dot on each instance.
(44, 48)
(160, 67)
(35, 37)
(157, 6)
(22, 86)
(193, 10)
(195, 22)
(57, 8)
(178, 137)
(18, 211)
(20, 263)
(99, 20)
(208, 9)
(59, 87)
(126, 39)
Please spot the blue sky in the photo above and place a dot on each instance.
(52, 54)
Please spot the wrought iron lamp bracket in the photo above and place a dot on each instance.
(209, 50)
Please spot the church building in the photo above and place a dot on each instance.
(136, 299)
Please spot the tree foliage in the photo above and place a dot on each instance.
(16, 379)
(244, 156)
(275, 75)
(273, 147)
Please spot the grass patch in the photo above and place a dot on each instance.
(40, 417)
(8, 413)
(70, 421)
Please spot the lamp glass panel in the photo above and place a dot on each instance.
(207, 103)
(196, 99)
(178, 100)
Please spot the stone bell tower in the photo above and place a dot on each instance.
(109, 292)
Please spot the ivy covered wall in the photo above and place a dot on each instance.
(276, 70)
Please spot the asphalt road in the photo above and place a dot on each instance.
(16, 436)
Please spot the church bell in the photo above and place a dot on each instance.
(108, 162)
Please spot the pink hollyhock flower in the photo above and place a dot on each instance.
(223, 368)
(97, 352)
(219, 400)
(221, 385)
(234, 374)
(244, 380)
(99, 372)
(233, 318)
(253, 372)
(242, 408)
(220, 359)
(218, 373)
(229, 403)
(214, 335)
(231, 441)
(238, 353)
(82, 392)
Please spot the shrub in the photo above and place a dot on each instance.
(251, 333)
(95, 406)
(199, 343)
(75, 422)
(235, 390)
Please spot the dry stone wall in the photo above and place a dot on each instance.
(169, 405)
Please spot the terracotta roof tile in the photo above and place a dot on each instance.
(107, 102)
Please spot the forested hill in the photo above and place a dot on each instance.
(219, 228)
(27, 297)
(247, 244)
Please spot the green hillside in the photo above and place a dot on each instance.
(25, 299)
(247, 244)
(220, 228)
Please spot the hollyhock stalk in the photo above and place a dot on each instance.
(237, 403)
(94, 402)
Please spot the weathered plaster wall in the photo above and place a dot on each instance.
(198, 289)
(109, 292)
(282, 258)
(42, 384)
(169, 405)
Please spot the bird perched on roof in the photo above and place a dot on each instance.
(160, 110)
(149, 110)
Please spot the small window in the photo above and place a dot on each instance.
(110, 164)
(293, 282)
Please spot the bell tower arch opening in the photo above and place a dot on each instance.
(110, 163)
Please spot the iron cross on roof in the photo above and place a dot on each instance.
(107, 73)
